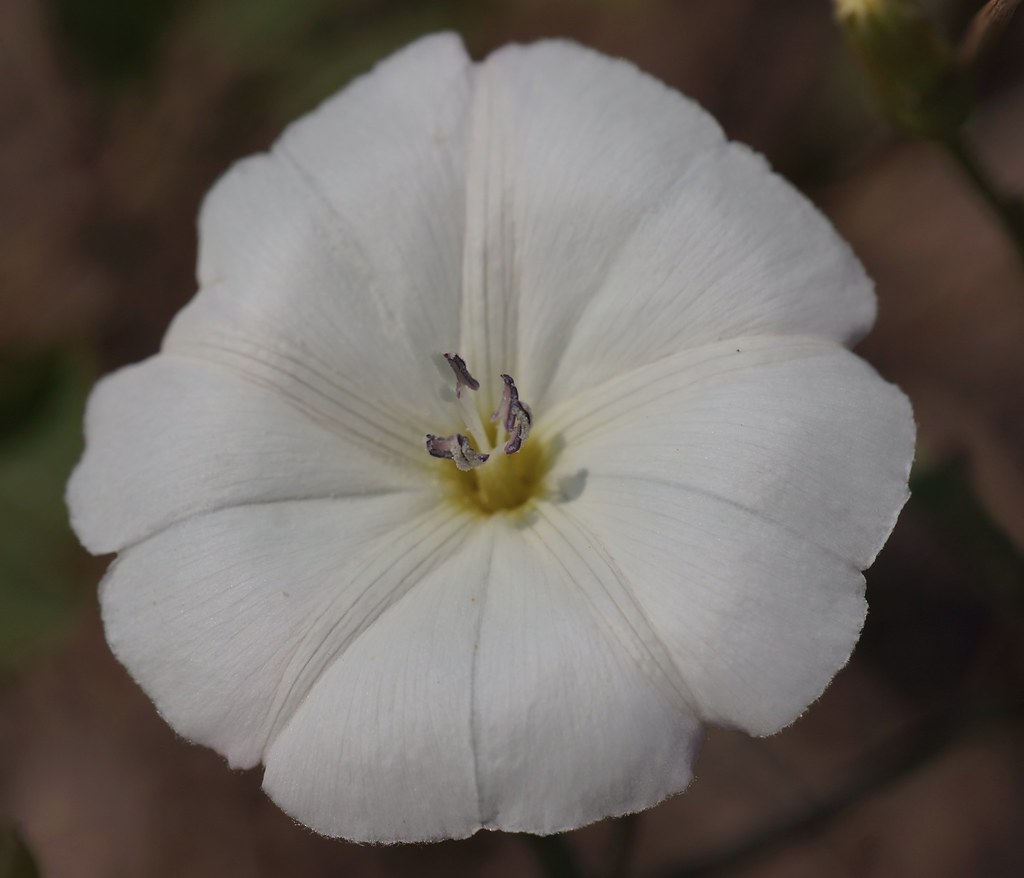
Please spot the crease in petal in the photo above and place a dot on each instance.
(484, 810)
(730, 249)
(490, 288)
(214, 614)
(759, 618)
(304, 258)
(557, 178)
(590, 569)
(381, 749)
(686, 240)
(799, 431)
(740, 488)
(569, 727)
(379, 576)
(327, 399)
(170, 438)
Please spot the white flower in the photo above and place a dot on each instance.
(416, 649)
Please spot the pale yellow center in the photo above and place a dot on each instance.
(507, 483)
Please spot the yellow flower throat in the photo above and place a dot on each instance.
(491, 477)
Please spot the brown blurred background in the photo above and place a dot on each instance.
(116, 116)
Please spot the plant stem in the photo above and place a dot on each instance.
(1009, 211)
(623, 840)
(556, 858)
(890, 765)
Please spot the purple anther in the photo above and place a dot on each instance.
(455, 448)
(462, 376)
(513, 415)
(521, 421)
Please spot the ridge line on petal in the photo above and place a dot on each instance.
(474, 726)
(734, 504)
(300, 498)
(250, 349)
(294, 166)
(647, 648)
(590, 398)
(730, 157)
(338, 427)
(290, 163)
(665, 203)
(488, 309)
(301, 677)
(194, 351)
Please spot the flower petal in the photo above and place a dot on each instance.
(757, 619)
(335, 260)
(571, 723)
(732, 250)
(740, 489)
(609, 224)
(797, 430)
(172, 437)
(381, 748)
(568, 151)
(492, 695)
(229, 619)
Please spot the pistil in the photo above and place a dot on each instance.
(470, 416)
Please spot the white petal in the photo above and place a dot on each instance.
(757, 619)
(606, 211)
(491, 695)
(336, 259)
(740, 492)
(228, 619)
(381, 749)
(797, 430)
(571, 725)
(170, 437)
(731, 250)
(569, 151)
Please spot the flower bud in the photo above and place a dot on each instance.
(912, 71)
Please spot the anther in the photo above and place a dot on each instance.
(456, 448)
(462, 376)
(513, 415)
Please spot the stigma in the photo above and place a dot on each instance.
(513, 417)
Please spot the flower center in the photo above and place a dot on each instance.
(495, 469)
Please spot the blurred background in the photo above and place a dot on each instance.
(117, 115)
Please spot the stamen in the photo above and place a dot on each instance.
(456, 448)
(513, 415)
(470, 415)
(462, 376)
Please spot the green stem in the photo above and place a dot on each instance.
(1009, 211)
(623, 841)
(886, 768)
(556, 858)
(15, 858)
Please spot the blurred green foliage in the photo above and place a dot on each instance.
(114, 40)
(42, 400)
(913, 72)
(16, 860)
(307, 49)
(947, 499)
